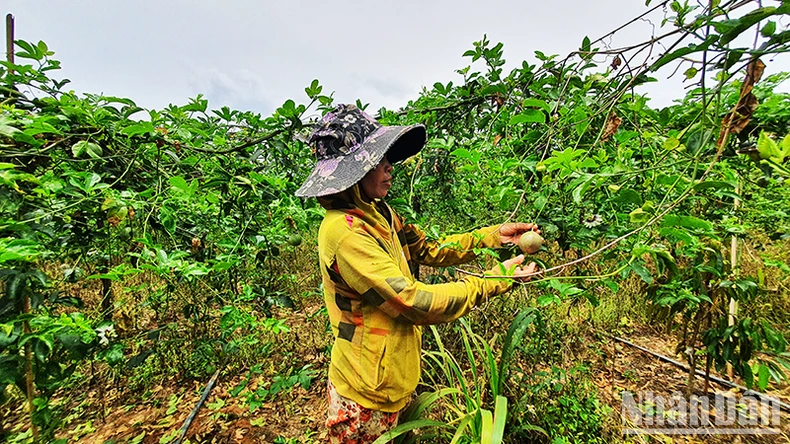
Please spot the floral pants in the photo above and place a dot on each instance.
(350, 423)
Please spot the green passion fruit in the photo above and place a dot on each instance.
(530, 242)
(294, 240)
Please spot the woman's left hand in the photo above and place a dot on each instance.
(511, 232)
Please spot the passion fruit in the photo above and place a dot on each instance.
(294, 240)
(530, 242)
(125, 234)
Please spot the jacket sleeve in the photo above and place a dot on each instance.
(377, 277)
(451, 250)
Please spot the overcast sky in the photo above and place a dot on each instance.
(254, 54)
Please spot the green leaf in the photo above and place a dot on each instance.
(39, 276)
(528, 115)
(180, 183)
(769, 29)
(671, 143)
(487, 432)
(540, 202)
(79, 148)
(638, 216)
(587, 163)
(91, 180)
(41, 348)
(93, 150)
(746, 22)
(763, 375)
(766, 147)
(715, 184)
(578, 192)
(139, 128)
(692, 222)
(406, 427)
(680, 235)
(5, 127)
(114, 355)
(612, 285)
(423, 401)
(500, 415)
(314, 89)
(629, 196)
(18, 250)
(536, 103)
(15, 285)
(585, 44)
(168, 220)
(778, 39)
(547, 299)
(642, 272)
(581, 120)
(785, 146)
(462, 153)
(523, 319)
(43, 49)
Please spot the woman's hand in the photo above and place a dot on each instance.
(511, 232)
(512, 267)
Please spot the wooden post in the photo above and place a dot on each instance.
(9, 37)
(9, 33)
(29, 377)
(733, 311)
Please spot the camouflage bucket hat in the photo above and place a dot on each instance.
(348, 143)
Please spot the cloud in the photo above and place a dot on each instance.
(388, 87)
(241, 89)
(254, 55)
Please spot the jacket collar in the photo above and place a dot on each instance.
(377, 213)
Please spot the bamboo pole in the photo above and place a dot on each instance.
(733, 311)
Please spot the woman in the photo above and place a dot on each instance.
(368, 261)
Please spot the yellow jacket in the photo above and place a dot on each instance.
(368, 261)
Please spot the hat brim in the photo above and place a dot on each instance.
(330, 176)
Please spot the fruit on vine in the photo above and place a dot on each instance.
(295, 240)
(530, 242)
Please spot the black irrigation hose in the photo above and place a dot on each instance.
(195, 411)
(713, 378)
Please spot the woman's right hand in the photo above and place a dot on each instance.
(512, 267)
